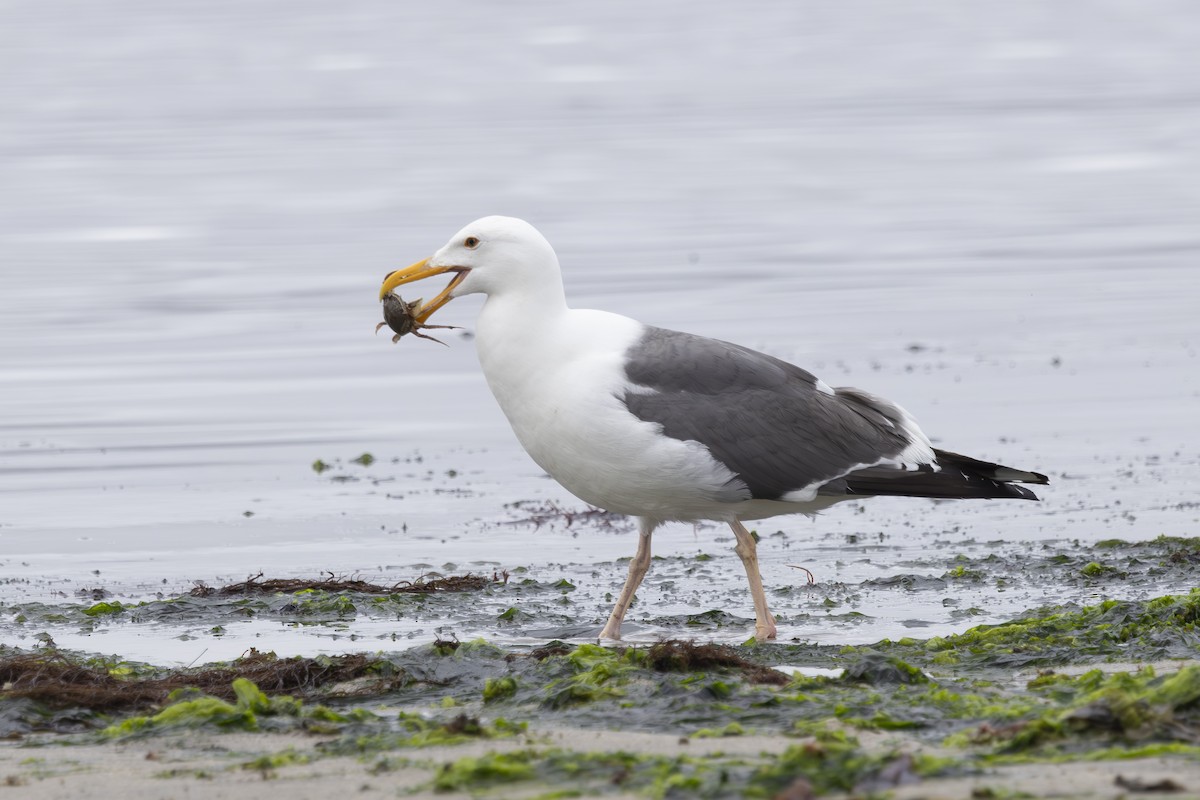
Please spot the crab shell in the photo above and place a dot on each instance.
(400, 315)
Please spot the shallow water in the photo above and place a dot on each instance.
(988, 216)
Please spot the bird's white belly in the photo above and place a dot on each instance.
(568, 414)
(619, 463)
(611, 459)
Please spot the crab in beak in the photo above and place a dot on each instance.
(420, 271)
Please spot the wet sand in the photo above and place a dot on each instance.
(992, 224)
(213, 767)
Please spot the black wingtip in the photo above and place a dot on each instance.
(1022, 493)
(952, 477)
(989, 469)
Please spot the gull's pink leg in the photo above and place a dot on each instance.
(764, 623)
(637, 570)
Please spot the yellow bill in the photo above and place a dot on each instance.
(420, 271)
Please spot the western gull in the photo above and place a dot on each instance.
(663, 425)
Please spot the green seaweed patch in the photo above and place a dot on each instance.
(499, 688)
(1096, 570)
(478, 648)
(316, 603)
(882, 721)
(514, 614)
(594, 773)
(268, 763)
(732, 729)
(1120, 753)
(964, 573)
(105, 608)
(185, 772)
(63, 692)
(488, 769)
(595, 666)
(418, 731)
(835, 762)
(595, 673)
(1095, 710)
(935, 709)
(880, 669)
(716, 686)
(251, 710)
(1164, 627)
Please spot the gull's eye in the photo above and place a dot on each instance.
(471, 242)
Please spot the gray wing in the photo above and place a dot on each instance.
(765, 419)
(779, 429)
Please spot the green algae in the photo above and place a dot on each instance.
(59, 691)
(478, 648)
(1100, 712)
(833, 762)
(596, 674)
(900, 698)
(1165, 627)
(488, 769)
(250, 711)
(732, 729)
(719, 690)
(589, 773)
(499, 689)
(104, 609)
(415, 731)
(270, 762)
(877, 668)
(1162, 750)
(317, 603)
(1094, 569)
(963, 573)
(882, 721)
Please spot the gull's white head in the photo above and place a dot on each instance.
(492, 256)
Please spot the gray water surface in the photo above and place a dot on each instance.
(986, 213)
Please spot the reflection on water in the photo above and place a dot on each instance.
(987, 215)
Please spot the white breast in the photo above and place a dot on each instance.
(559, 380)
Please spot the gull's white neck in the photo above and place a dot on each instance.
(542, 360)
(517, 334)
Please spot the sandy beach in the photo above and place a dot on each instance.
(210, 767)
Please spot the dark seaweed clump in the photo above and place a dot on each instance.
(255, 585)
(676, 656)
(60, 680)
